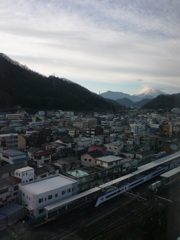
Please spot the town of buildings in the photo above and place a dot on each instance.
(51, 155)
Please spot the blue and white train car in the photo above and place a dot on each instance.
(154, 169)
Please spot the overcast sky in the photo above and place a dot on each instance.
(117, 45)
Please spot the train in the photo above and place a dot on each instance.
(128, 186)
(98, 195)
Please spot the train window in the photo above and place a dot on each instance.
(137, 182)
(158, 171)
(110, 195)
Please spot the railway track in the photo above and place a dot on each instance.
(119, 218)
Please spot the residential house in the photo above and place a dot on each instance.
(9, 190)
(25, 174)
(46, 170)
(89, 158)
(67, 164)
(109, 161)
(12, 156)
(41, 157)
(8, 170)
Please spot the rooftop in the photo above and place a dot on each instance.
(9, 135)
(77, 173)
(12, 152)
(109, 158)
(10, 209)
(48, 184)
(9, 181)
(24, 169)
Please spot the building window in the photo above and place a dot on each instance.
(41, 211)
(56, 195)
(49, 197)
(63, 192)
(40, 200)
(69, 190)
(15, 188)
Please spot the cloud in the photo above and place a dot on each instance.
(105, 41)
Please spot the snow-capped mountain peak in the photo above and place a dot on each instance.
(149, 92)
(144, 93)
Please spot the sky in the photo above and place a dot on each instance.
(116, 45)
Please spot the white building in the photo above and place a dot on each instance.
(26, 174)
(37, 195)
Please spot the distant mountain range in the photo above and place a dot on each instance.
(148, 93)
(22, 86)
(150, 98)
(136, 100)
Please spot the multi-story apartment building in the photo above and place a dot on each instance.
(9, 140)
